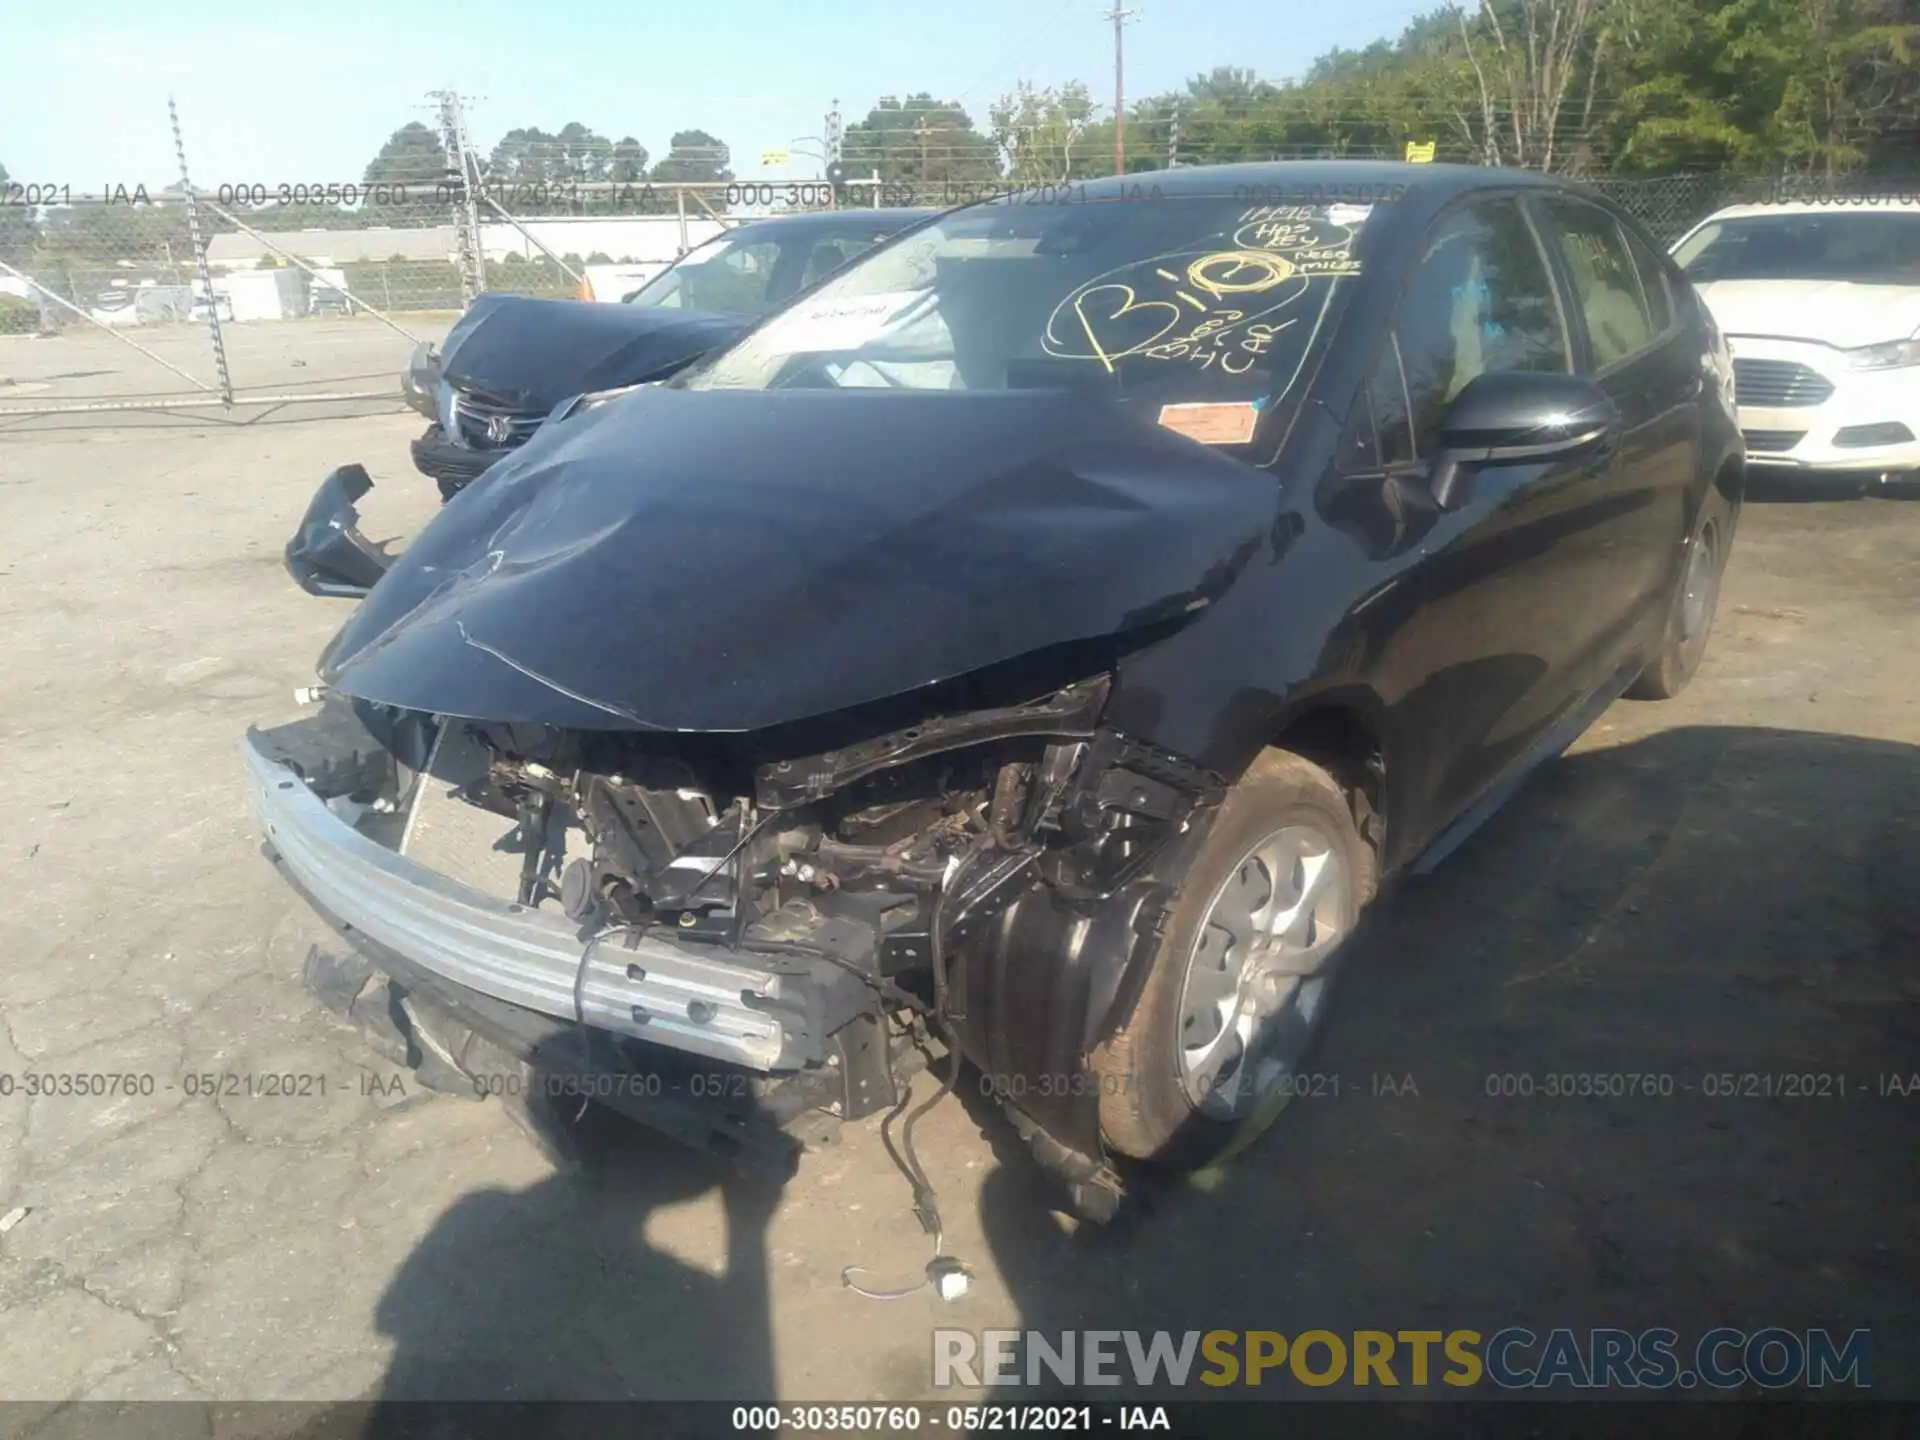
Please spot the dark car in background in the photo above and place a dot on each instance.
(510, 359)
(1039, 644)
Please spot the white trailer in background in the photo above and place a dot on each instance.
(264, 294)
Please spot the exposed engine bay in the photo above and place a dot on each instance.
(1019, 853)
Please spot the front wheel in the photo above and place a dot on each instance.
(1236, 995)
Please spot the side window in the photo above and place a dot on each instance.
(737, 280)
(1481, 302)
(1653, 284)
(825, 258)
(1605, 281)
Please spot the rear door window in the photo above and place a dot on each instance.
(826, 257)
(1606, 281)
(1653, 284)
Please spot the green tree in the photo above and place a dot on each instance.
(629, 162)
(413, 155)
(532, 156)
(583, 155)
(1623, 87)
(920, 143)
(524, 156)
(1041, 134)
(1806, 86)
(692, 156)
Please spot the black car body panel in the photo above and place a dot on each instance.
(328, 556)
(532, 354)
(961, 531)
(827, 593)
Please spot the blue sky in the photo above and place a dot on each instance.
(277, 93)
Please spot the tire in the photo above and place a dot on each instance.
(1690, 615)
(1155, 1104)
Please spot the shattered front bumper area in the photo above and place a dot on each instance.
(785, 960)
(631, 985)
(451, 466)
(770, 1012)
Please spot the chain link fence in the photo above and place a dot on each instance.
(238, 296)
(263, 295)
(1668, 205)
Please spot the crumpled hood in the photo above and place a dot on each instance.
(535, 353)
(1827, 312)
(733, 560)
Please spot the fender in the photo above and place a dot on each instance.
(1041, 976)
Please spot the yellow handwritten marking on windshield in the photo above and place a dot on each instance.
(1281, 236)
(1238, 272)
(1092, 339)
(1128, 306)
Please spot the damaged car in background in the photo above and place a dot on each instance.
(511, 358)
(1035, 647)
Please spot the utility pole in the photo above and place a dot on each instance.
(1119, 17)
(469, 251)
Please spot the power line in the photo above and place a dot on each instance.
(1028, 44)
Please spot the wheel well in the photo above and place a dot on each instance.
(1731, 481)
(1340, 740)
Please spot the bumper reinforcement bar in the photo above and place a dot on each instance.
(643, 986)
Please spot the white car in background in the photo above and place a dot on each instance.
(1820, 305)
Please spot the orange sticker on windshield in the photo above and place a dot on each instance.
(1213, 424)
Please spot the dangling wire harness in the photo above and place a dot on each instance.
(945, 1274)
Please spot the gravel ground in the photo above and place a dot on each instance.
(1725, 884)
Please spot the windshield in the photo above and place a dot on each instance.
(1868, 249)
(1209, 302)
(749, 273)
(729, 273)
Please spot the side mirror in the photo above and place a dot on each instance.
(1515, 416)
(328, 556)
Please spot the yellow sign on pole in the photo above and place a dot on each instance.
(1419, 153)
(773, 159)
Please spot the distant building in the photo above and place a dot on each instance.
(234, 251)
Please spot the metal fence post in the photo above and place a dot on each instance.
(200, 257)
(535, 241)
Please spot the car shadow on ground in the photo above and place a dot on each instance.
(554, 1293)
(1714, 915)
(1706, 902)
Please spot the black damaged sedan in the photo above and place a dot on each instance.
(1036, 645)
